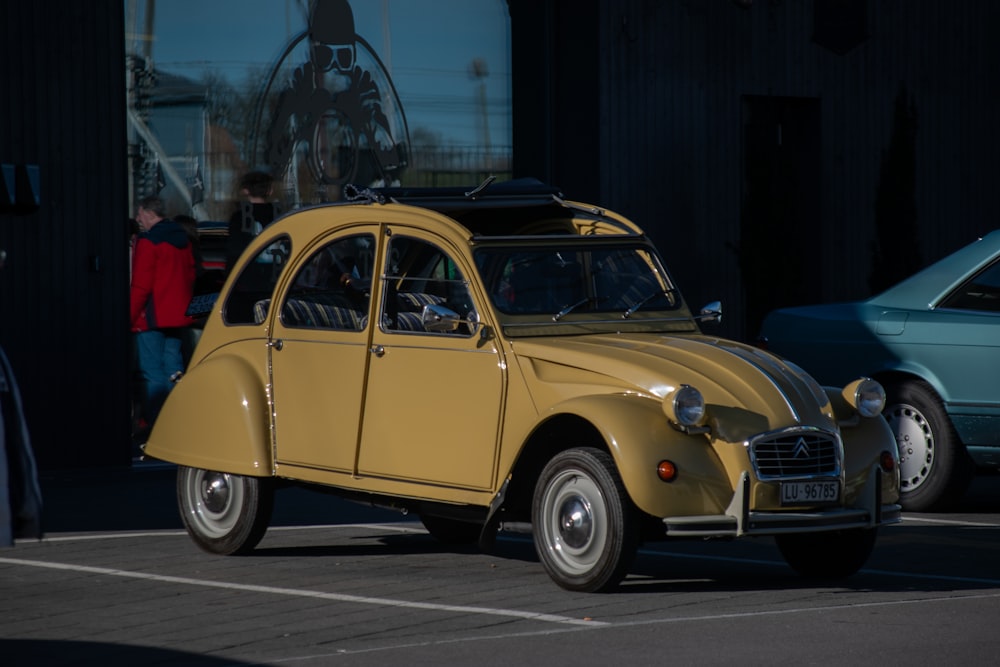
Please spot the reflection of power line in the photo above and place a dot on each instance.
(246, 65)
(452, 102)
(250, 65)
(402, 72)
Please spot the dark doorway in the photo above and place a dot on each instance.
(780, 224)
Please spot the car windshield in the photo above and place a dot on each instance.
(558, 281)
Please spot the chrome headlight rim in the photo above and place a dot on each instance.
(685, 406)
(866, 396)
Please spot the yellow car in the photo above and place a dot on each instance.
(501, 359)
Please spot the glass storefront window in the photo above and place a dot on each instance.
(318, 94)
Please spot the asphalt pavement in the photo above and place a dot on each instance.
(116, 581)
(142, 497)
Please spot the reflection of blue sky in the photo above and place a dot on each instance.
(427, 46)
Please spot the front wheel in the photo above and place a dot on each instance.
(934, 468)
(224, 514)
(828, 555)
(585, 527)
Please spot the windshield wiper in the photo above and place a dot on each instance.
(570, 308)
(641, 302)
(573, 306)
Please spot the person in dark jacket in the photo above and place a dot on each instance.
(163, 274)
(253, 215)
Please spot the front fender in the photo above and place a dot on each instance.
(638, 436)
(864, 438)
(216, 418)
(864, 443)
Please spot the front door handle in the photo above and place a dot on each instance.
(378, 350)
(278, 344)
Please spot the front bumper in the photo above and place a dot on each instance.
(739, 520)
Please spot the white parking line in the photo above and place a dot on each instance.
(415, 528)
(399, 528)
(948, 522)
(781, 563)
(764, 613)
(337, 597)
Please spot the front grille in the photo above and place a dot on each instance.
(795, 454)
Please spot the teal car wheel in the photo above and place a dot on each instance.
(934, 468)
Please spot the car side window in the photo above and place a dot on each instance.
(333, 288)
(247, 301)
(981, 292)
(419, 274)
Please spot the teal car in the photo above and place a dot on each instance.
(933, 341)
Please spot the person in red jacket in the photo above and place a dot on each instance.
(163, 274)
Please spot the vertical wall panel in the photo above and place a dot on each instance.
(63, 295)
(674, 73)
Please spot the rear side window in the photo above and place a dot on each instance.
(981, 292)
(254, 287)
(333, 288)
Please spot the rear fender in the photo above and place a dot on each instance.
(216, 418)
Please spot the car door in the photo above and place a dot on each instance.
(434, 400)
(319, 353)
(960, 342)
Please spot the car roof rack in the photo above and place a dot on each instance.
(486, 210)
(519, 192)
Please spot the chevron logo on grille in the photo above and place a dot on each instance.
(801, 449)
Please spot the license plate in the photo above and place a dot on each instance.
(809, 493)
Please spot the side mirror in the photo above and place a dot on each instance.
(711, 312)
(438, 319)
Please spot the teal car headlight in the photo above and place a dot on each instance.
(685, 407)
(866, 396)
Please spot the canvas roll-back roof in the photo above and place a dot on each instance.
(494, 208)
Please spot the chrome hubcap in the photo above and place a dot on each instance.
(213, 501)
(915, 441)
(576, 522)
(215, 492)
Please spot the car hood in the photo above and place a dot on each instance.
(734, 378)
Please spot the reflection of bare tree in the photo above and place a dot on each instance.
(232, 107)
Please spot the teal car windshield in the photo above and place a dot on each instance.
(556, 282)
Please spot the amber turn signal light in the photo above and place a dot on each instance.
(666, 470)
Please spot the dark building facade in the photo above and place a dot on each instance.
(777, 151)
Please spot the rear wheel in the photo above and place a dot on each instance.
(828, 555)
(585, 527)
(934, 468)
(451, 531)
(224, 513)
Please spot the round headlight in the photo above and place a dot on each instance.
(686, 406)
(867, 396)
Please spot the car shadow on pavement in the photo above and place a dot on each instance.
(55, 653)
(144, 497)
